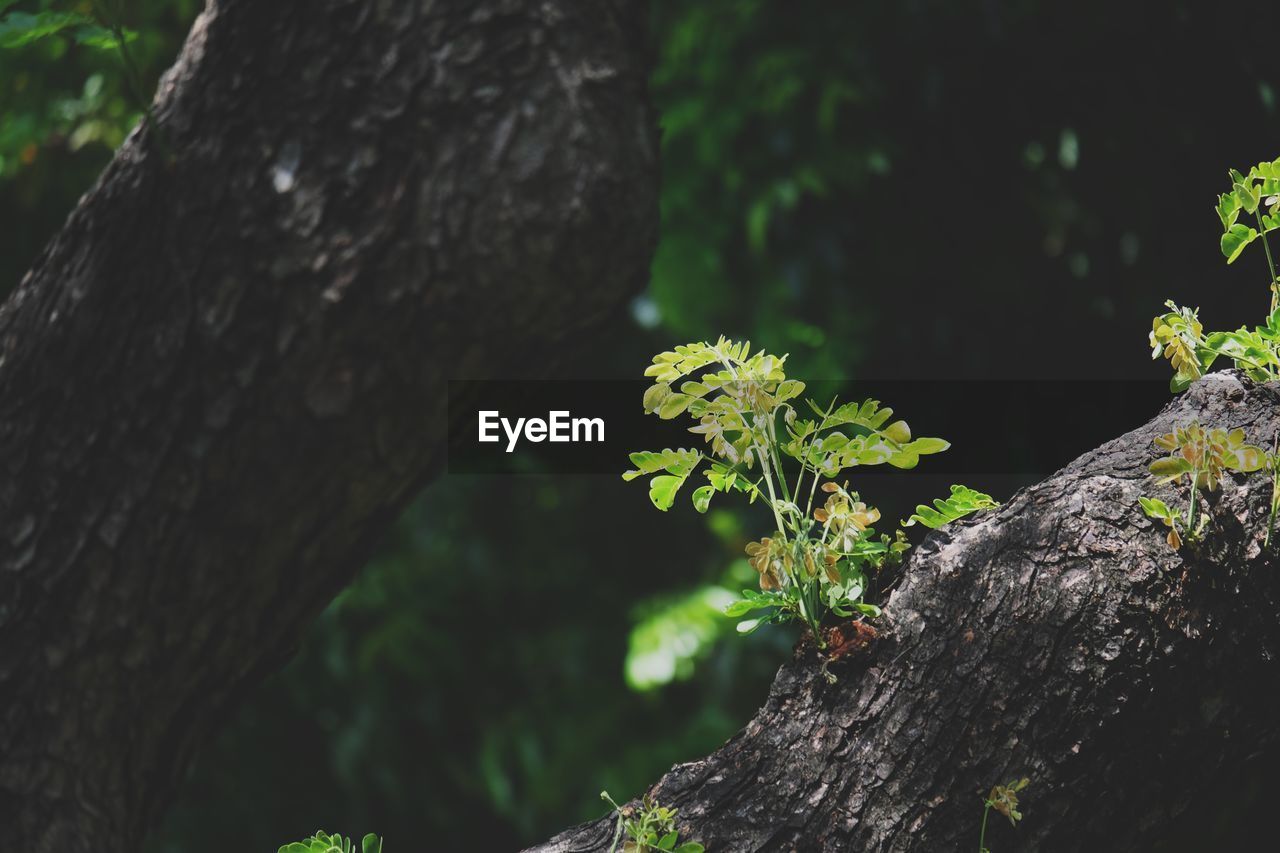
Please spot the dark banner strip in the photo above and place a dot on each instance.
(589, 427)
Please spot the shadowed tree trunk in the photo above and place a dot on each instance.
(225, 376)
(1058, 638)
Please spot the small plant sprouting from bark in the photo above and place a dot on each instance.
(817, 560)
(322, 842)
(1195, 453)
(650, 827)
(1201, 456)
(1004, 799)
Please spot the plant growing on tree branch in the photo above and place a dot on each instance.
(649, 828)
(1201, 456)
(817, 560)
(322, 842)
(1004, 799)
(1178, 334)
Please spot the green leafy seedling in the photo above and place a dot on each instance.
(1255, 195)
(322, 842)
(650, 827)
(756, 442)
(1200, 457)
(1004, 799)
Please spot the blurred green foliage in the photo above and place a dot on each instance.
(475, 681)
(64, 108)
(873, 188)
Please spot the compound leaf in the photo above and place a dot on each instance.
(963, 500)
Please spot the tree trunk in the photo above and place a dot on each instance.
(1058, 638)
(226, 374)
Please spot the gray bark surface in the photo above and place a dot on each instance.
(226, 375)
(1057, 638)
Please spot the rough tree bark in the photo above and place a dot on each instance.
(1057, 638)
(225, 376)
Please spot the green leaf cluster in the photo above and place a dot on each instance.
(19, 29)
(322, 842)
(1178, 334)
(963, 500)
(95, 25)
(675, 467)
(650, 827)
(1256, 194)
(1179, 337)
(1195, 454)
(819, 558)
(1003, 799)
(1200, 457)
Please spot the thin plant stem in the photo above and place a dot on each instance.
(804, 452)
(1275, 489)
(762, 453)
(982, 836)
(1262, 232)
(1191, 508)
(772, 429)
(773, 497)
(800, 476)
(617, 833)
(1275, 505)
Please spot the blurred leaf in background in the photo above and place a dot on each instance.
(755, 115)
(65, 106)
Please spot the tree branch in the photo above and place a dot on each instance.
(226, 374)
(1057, 638)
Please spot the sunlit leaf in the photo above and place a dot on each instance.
(1156, 508)
(673, 405)
(662, 490)
(926, 446)
(962, 501)
(1234, 241)
(1170, 468)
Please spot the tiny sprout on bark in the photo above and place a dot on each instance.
(1003, 799)
(649, 827)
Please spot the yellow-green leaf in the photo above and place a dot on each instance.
(1237, 237)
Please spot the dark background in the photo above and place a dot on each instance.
(944, 191)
